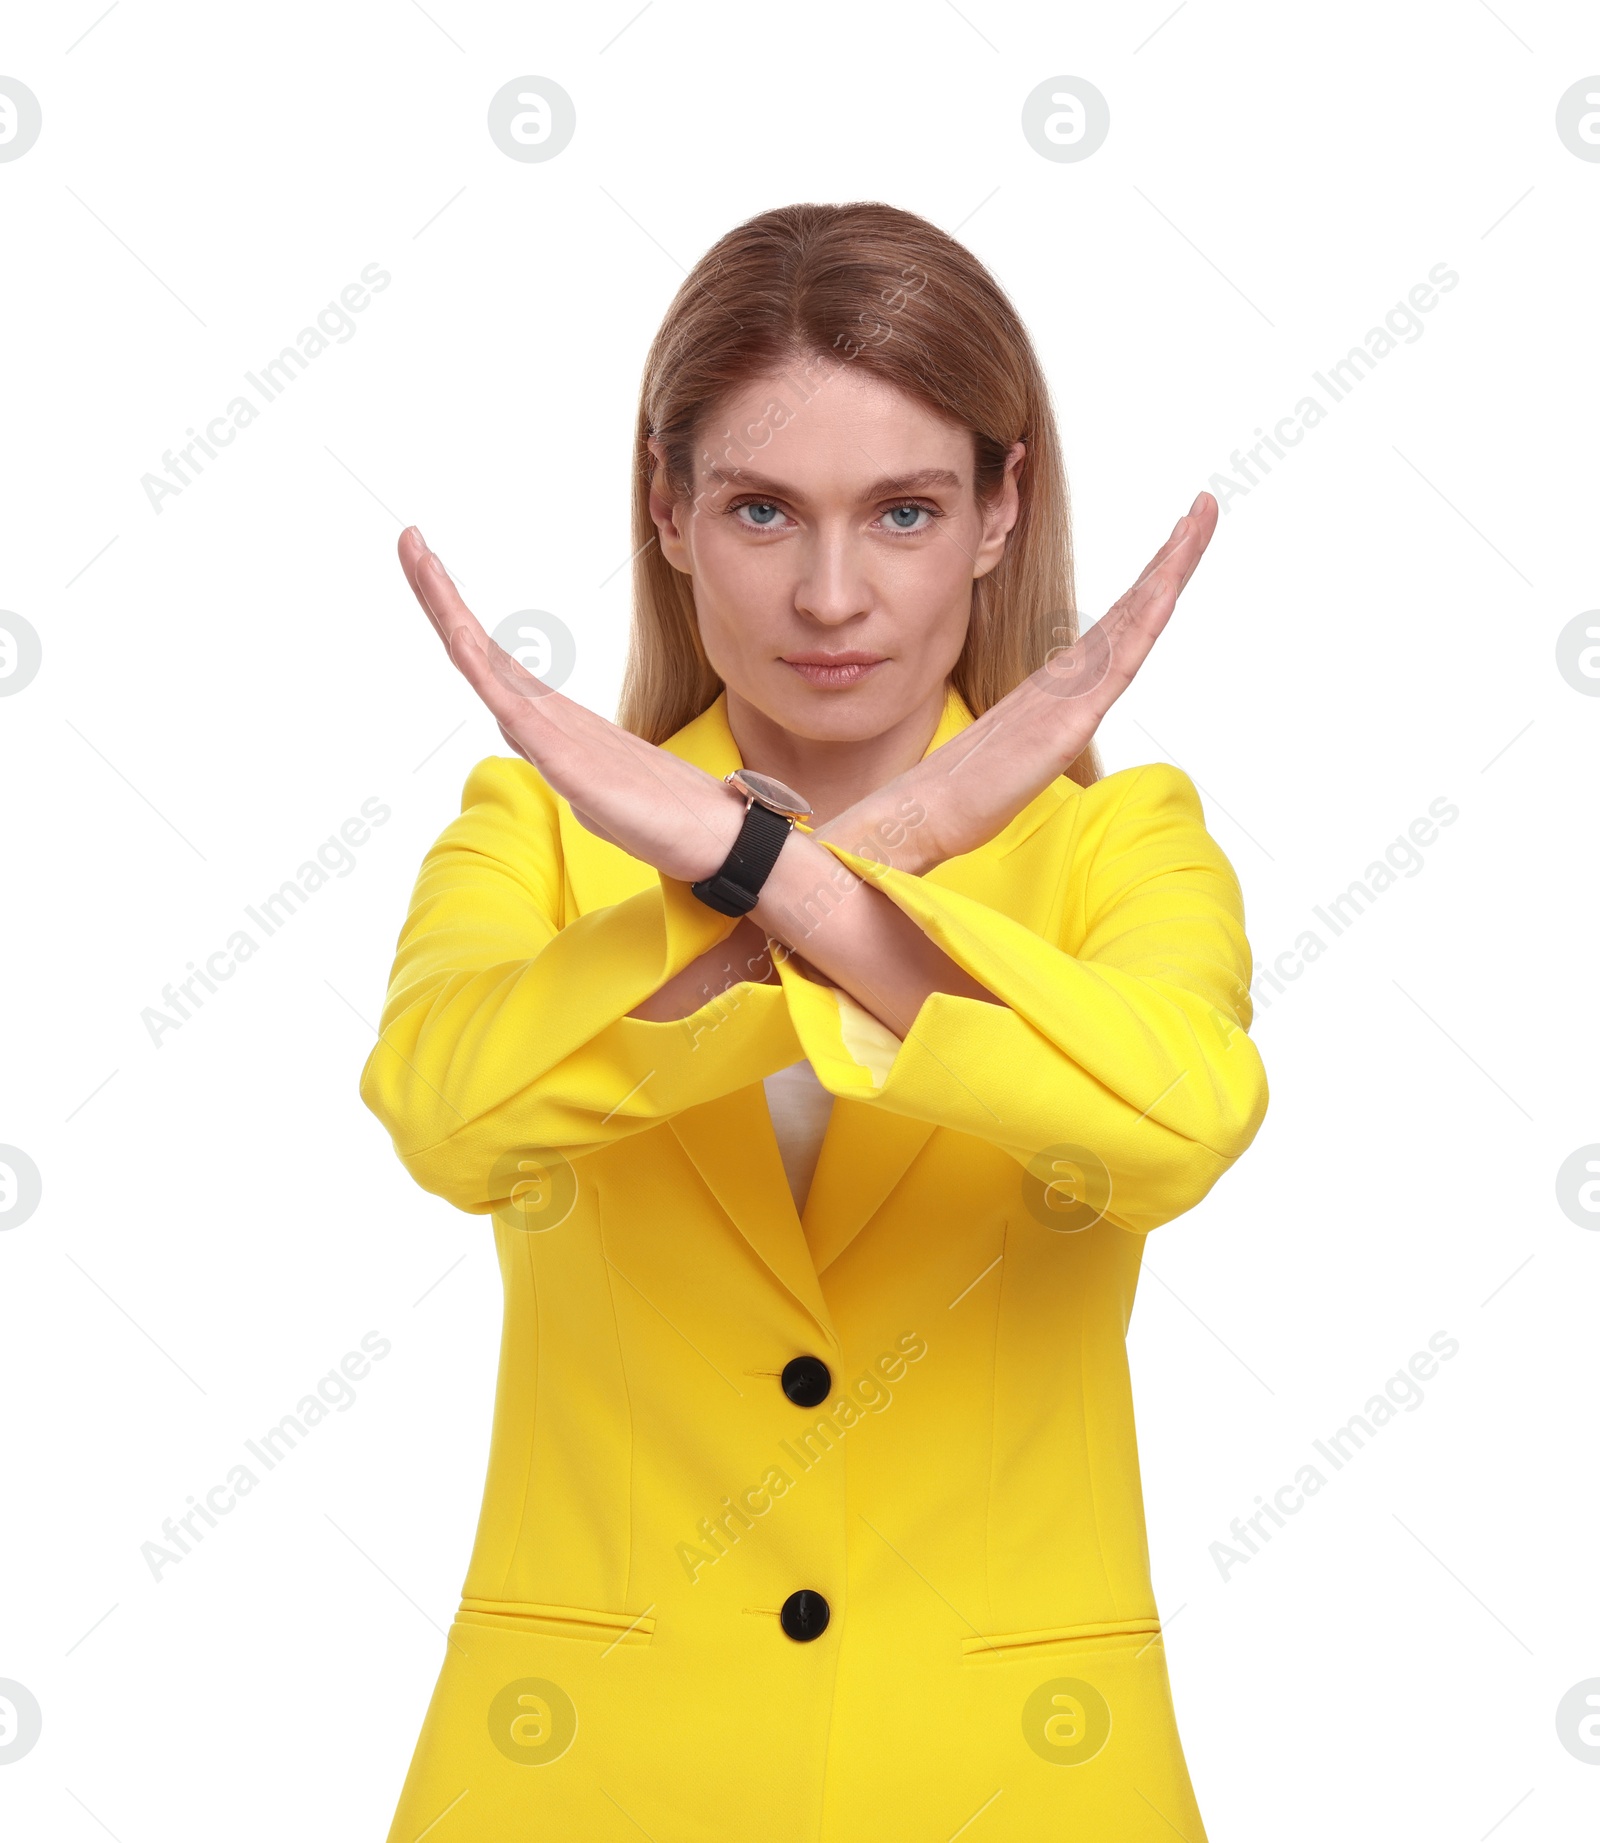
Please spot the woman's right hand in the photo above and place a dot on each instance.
(943, 807)
(651, 803)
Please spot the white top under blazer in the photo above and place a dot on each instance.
(800, 1107)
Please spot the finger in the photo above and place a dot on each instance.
(1165, 551)
(511, 672)
(508, 690)
(1171, 567)
(1175, 562)
(491, 670)
(1096, 670)
(413, 549)
(1202, 518)
(437, 595)
(1124, 636)
(441, 598)
(457, 626)
(1117, 644)
(503, 685)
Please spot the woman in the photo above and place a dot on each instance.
(820, 1154)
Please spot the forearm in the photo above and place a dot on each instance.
(1119, 956)
(836, 927)
(742, 956)
(851, 935)
(856, 937)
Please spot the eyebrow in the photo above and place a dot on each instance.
(885, 488)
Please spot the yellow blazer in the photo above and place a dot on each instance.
(717, 1591)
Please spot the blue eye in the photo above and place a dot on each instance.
(913, 511)
(761, 506)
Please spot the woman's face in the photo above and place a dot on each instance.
(838, 524)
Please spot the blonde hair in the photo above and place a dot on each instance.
(875, 286)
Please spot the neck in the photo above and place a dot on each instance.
(833, 776)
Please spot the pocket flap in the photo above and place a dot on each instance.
(559, 1621)
(1105, 1634)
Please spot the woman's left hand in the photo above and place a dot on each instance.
(932, 812)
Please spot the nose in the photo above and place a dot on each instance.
(833, 586)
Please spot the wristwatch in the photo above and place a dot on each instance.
(771, 810)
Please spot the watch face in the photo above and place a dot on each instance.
(769, 792)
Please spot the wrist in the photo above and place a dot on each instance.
(802, 889)
(721, 823)
(892, 845)
(763, 811)
(890, 826)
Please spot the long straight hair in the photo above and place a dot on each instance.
(805, 289)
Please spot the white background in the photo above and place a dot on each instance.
(225, 681)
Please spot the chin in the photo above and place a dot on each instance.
(853, 714)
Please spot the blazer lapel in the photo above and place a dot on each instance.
(736, 1151)
(864, 1155)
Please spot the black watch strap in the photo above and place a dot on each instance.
(736, 887)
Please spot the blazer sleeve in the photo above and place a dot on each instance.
(504, 1031)
(1132, 1047)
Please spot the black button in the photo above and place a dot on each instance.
(804, 1615)
(806, 1381)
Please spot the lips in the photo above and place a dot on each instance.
(833, 670)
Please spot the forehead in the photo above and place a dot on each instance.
(830, 426)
